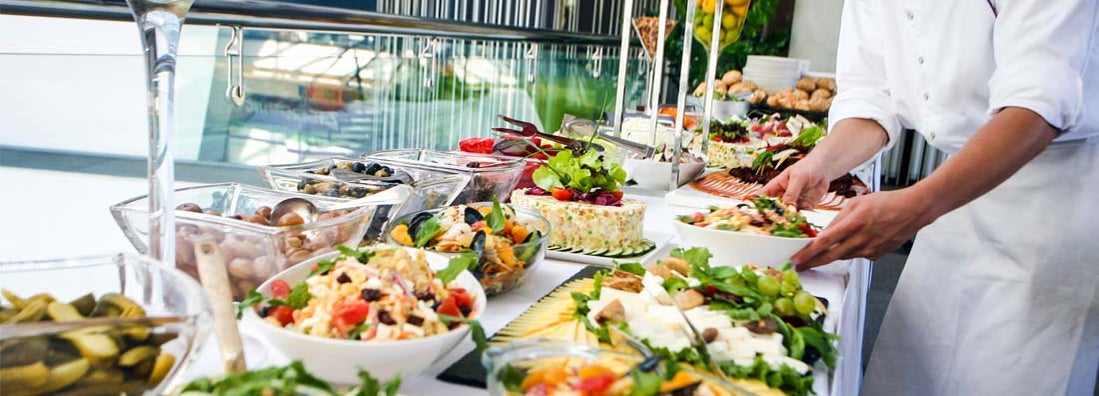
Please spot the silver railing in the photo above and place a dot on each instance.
(260, 14)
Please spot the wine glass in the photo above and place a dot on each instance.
(159, 22)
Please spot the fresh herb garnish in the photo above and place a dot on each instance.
(633, 268)
(463, 261)
(511, 378)
(477, 332)
(299, 296)
(324, 266)
(428, 229)
(495, 219)
(362, 256)
(250, 300)
(370, 386)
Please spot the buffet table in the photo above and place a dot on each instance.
(843, 284)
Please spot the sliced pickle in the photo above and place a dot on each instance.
(64, 374)
(137, 355)
(84, 304)
(27, 376)
(23, 351)
(161, 367)
(61, 312)
(32, 312)
(98, 348)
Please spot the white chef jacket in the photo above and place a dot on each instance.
(943, 67)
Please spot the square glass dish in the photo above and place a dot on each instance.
(116, 324)
(490, 176)
(253, 249)
(349, 178)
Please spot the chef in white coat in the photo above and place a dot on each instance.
(1000, 295)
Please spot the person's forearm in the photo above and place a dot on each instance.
(851, 142)
(1008, 141)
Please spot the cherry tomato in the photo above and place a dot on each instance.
(668, 111)
(280, 289)
(449, 307)
(351, 314)
(595, 384)
(282, 313)
(617, 194)
(561, 194)
(462, 297)
(477, 145)
(807, 229)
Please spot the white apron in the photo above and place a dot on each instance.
(1001, 296)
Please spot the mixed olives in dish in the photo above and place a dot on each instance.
(377, 177)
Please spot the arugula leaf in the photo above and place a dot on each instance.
(633, 268)
(765, 202)
(323, 266)
(362, 256)
(299, 296)
(808, 137)
(463, 261)
(495, 220)
(675, 284)
(250, 300)
(511, 378)
(819, 341)
(370, 386)
(645, 384)
(477, 332)
(723, 272)
(428, 229)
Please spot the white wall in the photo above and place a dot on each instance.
(816, 31)
(79, 85)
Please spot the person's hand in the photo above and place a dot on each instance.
(803, 184)
(868, 226)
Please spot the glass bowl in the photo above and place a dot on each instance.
(496, 276)
(514, 362)
(254, 252)
(490, 176)
(430, 188)
(97, 351)
(434, 188)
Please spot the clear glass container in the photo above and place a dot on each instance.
(495, 278)
(254, 251)
(490, 176)
(173, 303)
(524, 357)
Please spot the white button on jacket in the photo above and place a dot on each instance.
(1039, 54)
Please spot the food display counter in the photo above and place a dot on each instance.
(844, 284)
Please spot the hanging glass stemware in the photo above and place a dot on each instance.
(160, 22)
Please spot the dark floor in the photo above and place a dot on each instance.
(883, 280)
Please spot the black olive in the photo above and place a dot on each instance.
(330, 168)
(371, 295)
(371, 169)
(811, 355)
(332, 192)
(358, 167)
(742, 205)
(301, 184)
(415, 320)
(385, 172)
(343, 278)
(383, 316)
(424, 295)
(473, 164)
(357, 192)
(756, 223)
(780, 211)
(688, 390)
(465, 310)
(264, 311)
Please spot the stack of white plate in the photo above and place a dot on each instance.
(773, 73)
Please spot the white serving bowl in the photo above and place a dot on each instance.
(734, 248)
(339, 361)
(655, 175)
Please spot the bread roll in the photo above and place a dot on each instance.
(732, 77)
(807, 84)
(819, 103)
(700, 89)
(801, 95)
(820, 93)
(802, 104)
(758, 96)
(827, 83)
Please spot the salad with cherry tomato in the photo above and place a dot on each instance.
(378, 295)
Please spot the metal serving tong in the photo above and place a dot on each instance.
(531, 130)
(587, 128)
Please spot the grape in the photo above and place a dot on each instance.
(784, 307)
(804, 303)
(768, 286)
(788, 289)
(750, 278)
(790, 276)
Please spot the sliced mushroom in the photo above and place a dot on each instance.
(625, 281)
(613, 312)
(689, 298)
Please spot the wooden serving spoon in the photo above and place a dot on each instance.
(215, 280)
